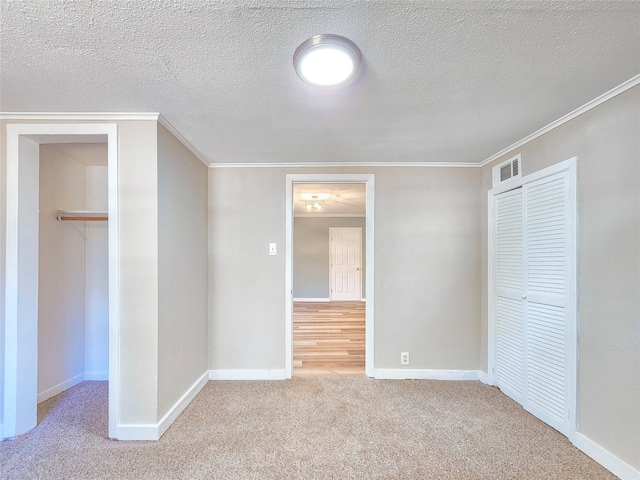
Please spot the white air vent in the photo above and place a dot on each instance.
(506, 170)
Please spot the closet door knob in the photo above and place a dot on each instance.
(524, 297)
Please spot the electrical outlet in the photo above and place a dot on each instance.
(404, 358)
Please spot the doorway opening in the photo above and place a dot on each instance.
(47, 284)
(329, 275)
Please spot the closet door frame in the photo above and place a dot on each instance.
(570, 167)
(21, 278)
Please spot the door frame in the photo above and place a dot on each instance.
(331, 229)
(20, 329)
(570, 166)
(369, 181)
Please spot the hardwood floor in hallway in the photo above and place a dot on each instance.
(328, 338)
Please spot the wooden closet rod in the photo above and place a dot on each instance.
(84, 219)
(82, 216)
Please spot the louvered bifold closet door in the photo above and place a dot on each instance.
(546, 231)
(509, 319)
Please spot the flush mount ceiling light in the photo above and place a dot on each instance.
(327, 60)
(314, 205)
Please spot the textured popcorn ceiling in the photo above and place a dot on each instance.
(443, 81)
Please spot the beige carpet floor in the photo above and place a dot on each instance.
(318, 428)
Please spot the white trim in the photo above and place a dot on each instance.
(12, 287)
(424, 374)
(570, 166)
(369, 181)
(182, 403)
(72, 382)
(113, 233)
(1, 433)
(61, 387)
(137, 432)
(166, 124)
(106, 116)
(311, 299)
(491, 268)
(80, 116)
(123, 116)
(344, 164)
(247, 375)
(288, 281)
(623, 87)
(153, 431)
(369, 279)
(330, 215)
(605, 458)
(483, 377)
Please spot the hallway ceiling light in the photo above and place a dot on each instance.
(314, 205)
(327, 60)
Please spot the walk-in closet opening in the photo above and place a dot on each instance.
(73, 273)
(329, 265)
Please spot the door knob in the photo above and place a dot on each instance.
(524, 297)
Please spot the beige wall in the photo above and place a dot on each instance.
(61, 279)
(182, 267)
(430, 266)
(427, 264)
(73, 324)
(606, 142)
(138, 217)
(97, 274)
(138, 242)
(311, 254)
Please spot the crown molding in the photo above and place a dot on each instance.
(343, 164)
(105, 116)
(75, 116)
(115, 116)
(623, 87)
(166, 124)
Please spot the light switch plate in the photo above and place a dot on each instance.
(272, 249)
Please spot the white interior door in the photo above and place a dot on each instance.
(534, 327)
(509, 313)
(346, 263)
(547, 335)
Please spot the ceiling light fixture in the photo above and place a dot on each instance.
(327, 60)
(314, 205)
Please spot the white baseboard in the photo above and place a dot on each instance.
(421, 374)
(61, 387)
(247, 375)
(605, 458)
(154, 431)
(181, 404)
(311, 299)
(1, 433)
(483, 377)
(138, 432)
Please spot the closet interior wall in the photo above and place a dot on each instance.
(73, 323)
